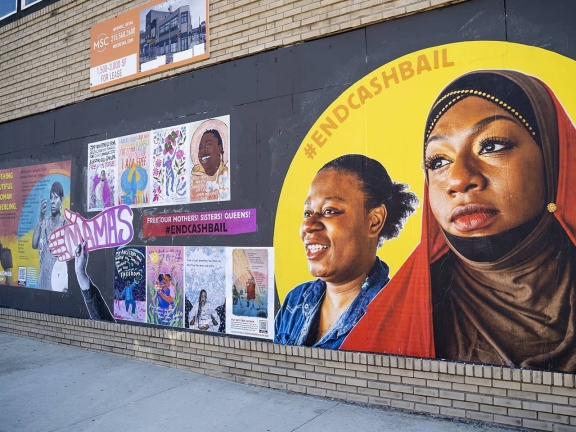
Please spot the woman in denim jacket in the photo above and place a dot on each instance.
(351, 208)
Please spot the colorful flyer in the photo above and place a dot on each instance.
(250, 292)
(102, 173)
(205, 305)
(169, 161)
(164, 285)
(210, 154)
(133, 156)
(32, 203)
(130, 283)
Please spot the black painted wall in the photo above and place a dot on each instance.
(273, 99)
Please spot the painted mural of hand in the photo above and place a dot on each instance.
(80, 265)
(57, 244)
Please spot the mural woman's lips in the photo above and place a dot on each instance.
(204, 159)
(472, 217)
(315, 250)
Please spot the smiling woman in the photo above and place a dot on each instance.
(351, 208)
(493, 280)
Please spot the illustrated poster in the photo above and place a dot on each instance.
(32, 203)
(102, 172)
(250, 292)
(169, 160)
(134, 181)
(164, 285)
(205, 305)
(130, 283)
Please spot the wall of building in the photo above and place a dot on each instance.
(513, 397)
(44, 61)
(278, 103)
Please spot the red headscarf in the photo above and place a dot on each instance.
(399, 318)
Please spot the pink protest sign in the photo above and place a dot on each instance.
(224, 222)
(110, 228)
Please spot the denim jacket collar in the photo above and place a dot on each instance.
(312, 300)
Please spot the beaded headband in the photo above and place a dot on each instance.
(492, 87)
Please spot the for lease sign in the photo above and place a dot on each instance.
(149, 39)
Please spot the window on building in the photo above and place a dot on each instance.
(153, 32)
(13, 10)
(27, 3)
(184, 18)
(8, 8)
(174, 23)
(184, 44)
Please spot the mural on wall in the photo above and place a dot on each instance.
(130, 283)
(249, 295)
(205, 305)
(176, 165)
(32, 203)
(133, 153)
(480, 135)
(102, 174)
(164, 285)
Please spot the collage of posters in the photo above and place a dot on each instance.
(180, 164)
(214, 289)
(32, 203)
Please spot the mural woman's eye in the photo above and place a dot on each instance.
(494, 145)
(435, 162)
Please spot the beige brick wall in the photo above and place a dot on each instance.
(44, 57)
(515, 397)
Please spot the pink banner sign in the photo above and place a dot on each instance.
(110, 228)
(225, 222)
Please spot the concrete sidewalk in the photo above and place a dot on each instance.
(46, 387)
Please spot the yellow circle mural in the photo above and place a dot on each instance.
(383, 116)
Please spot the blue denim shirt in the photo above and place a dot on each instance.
(302, 305)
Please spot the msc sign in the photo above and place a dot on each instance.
(101, 42)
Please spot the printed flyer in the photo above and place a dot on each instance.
(169, 180)
(250, 292)
(130, 283)
(205, 305)
(164, 285)
(133, 151)
(102, 172)
(32, 203)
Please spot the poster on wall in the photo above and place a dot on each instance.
(32, 203)
(210, 155)
(102, 174)
(469, 255)
(250, 292)
(151, 38)
(169, 161)
(130, 283)
(205, 304)
(165, 285)
(133, 177)
(186, 163)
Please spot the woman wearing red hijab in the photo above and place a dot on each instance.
(493, 279)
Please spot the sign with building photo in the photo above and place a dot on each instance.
(157, 36)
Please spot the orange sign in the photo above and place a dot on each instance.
(152, 38)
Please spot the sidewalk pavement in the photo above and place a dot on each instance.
(45, 387)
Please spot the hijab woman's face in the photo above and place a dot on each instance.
(485, 172)
(336, 228)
